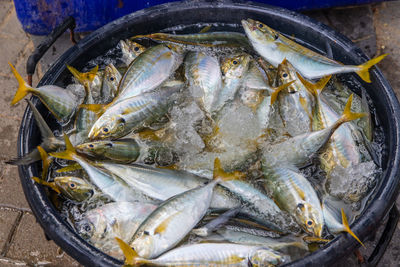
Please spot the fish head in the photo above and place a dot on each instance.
(258, 31)
(111, 76)
(235, 66)
(87, 229)
(107, 126)
(266, 257)
(144, 244)
(310, 218)
(135, 48)
(74, 188)
(286, 73)
(94, 148)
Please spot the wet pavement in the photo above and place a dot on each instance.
(374, 28)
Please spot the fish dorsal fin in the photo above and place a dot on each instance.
(69, 152)
(162, 227)
(52, 185)
(45, 161)
(347, 228)
(219, 172)
(69, 168)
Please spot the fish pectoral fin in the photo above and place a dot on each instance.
(162, 227)
(277, 90)
(347, 228)
(23, 87)
(70, 168)
(45, 161)
(49, 184)
(363, 71)
(219, 172)
(131, 256)
(298, 190)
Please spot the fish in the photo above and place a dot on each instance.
(208, 254)
(71, 187)
(294, 194)
(234, 70)
(122, 150)
(60, 102)
(298, 150)
(341, 149)
(133, 114)
(49, 141)
(130, 50)
(110, 185)
(167, 225)
(101, 225)
(208, 39)
(331, 215)
(204, 75)
(275, 47)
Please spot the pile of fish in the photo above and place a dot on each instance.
(212, 148)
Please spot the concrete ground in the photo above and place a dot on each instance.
(375, 28)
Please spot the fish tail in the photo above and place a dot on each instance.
(131, 256)
(49, 184)
(274, 94)
(69, 152)
(363, 71)
(45, 161)
(69, 168)
(84, 77)
(347, 228)
(314, 88)
(220, 174)
(29, 158)
(23, 87)
(347, 114)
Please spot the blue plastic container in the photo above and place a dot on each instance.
(40, 17)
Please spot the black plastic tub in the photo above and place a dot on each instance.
(229, 13)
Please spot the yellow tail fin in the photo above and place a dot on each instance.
(347, 114)
(131, 257)
(72, 167)
(274, 94)
(347, 228)
(219, 172)
(45, 161)
(23, 87)
(364, 68)
(69, 152)
(96, 108)
(84, 77)
(313, 88)
(49, 184)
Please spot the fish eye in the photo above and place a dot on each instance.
(276, 36)
(310, 223)
(91, 145)
(72, 185)
(87, 228)
(136, 49)
(284, 75)
(234, 62)
(112, 78)
(105, 129)
(300, 206)
(260, 25)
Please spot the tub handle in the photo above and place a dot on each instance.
(68, 23)
(385, 238)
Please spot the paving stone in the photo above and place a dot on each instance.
(5, 9)
(387, 21)
(34, 248)
(12, 27)
(7, 220)
(6, 262)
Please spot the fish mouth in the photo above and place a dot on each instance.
(248, 24)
